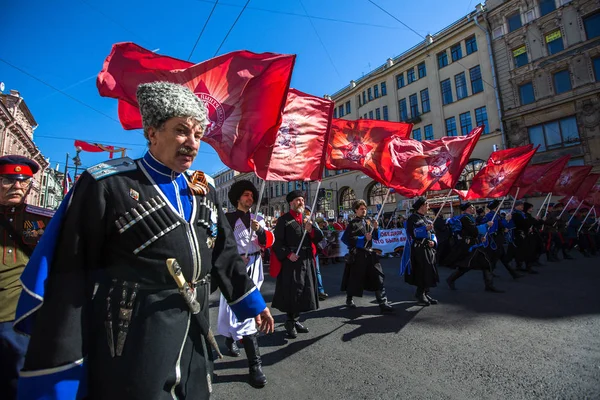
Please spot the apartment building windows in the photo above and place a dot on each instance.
(562, 81)
(520, 56)
(364, 97)
(476, 81)
(547, 6)
(341, 111)
(456, 52)
(335, 112)
(359, 100)
(422, 70)
(555, 134)
(365, 116)
(596, 66)
(442, 59)
(383, 89)
(417, 134)
(554, 42)
(400, 81)
(482, 119)
(465, 123)
(371, 114)
(451, 126)
(591, 24)
(428, 132)
(386, 116)
(403, 110)
(461, 86)
(514, 22)
(369, 94)
(471, 45)
(526, 93)
(425, 107)
(376, 91)
(446, 92)
(414, 105)
(410, 76)
(348, 109)
(377, 113)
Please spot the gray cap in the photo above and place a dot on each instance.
(160, 101)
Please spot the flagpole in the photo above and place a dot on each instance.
(260, 195)
(514, 201)
(565, 209)
(311, 214)
(382, 204)
(66, 171)
(542, 206)
(443, 203)
(548, 205)
(577, 209)
(583, 222)
(496, 213)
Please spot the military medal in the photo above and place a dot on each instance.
(134, 195)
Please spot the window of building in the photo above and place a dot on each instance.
(520, 56)
(377, 113)
(514, 22)
(371, 114)
(376, 91)
(465, 123)
(289, 187)
(467, 175)
(498, 32)
(592, 25)
(417, 134)
(341, 110)
(400, 81)
(377, 192)
(335, 112)
(386, 116)
(403, 110)
(359, 101)
(442, 59)
(410, 76)
(369, 94)
(422, 70)
(476, 81)
(446, 92)
(428, 132)
(547, 6)
(414, 105)
(576, 162)
(554, 42)
(364, 96)
(277, 190)
(461, 86)
(451, 126)
(526, 93)
(383, 89)
(456, 52)
(348, 109)
(481, 118)
(529, 16)
(562, 81)
(596, 65)
(347, 197)
(555, 134)
(425, 107)
(282, 189)
(471, 45)
(365, 116)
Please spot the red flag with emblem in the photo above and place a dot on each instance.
(570, 179)
(352, 144)
(245, 94)
(300, 148)
(593, 196)
(586, 186)
(502, 170)
(539, 178)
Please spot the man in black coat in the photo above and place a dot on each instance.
(363, 270)
(524, 239)
(296, 287)
(442, 234)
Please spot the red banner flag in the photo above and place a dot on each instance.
(245, 94)
(570, 179)
(503, 169)
(586, 186)
(539, 178)
(352, 144)
(593, 196)
(300, 148)
(97, 148)
(411, 167)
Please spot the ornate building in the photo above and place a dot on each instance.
(547, 54)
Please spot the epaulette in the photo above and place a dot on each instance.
(112, 167)
(45, 212)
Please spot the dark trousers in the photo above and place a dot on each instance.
(293, 317)
(12, 355)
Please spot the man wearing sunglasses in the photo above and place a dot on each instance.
(21, 227)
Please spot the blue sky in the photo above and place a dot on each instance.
(64, 42)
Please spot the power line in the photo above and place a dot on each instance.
(408, 27)
(230, 29)
(321, 40)
(58, 90)
(203, 28)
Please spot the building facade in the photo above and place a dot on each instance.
(16, 137)
(52, 188)
(547, 55)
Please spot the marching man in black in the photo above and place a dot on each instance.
(244, 195)
(363, 271)
(296, 287)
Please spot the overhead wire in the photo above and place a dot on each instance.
(203, 28)
(231, 28)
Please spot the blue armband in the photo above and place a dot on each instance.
(360, 242)
(482, 229)
(421, 232)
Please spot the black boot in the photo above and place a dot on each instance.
(232, 346)
(488, 279)
(350, 302)
(431, 299)
(453, 277)
(513, 272)
(300, 328)
(290, 329)
(256, 376)
(530, 269)
(566, 255)
(384, 305)
(422, 300)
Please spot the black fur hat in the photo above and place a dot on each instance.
(238, 189)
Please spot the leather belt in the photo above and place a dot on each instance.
(256, 253)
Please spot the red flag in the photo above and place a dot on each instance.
(570, 179)
(300, 147)
(593, 197)
(245, 94)
(502, 170)
(586, 186)
(411, 167)
(539, 178)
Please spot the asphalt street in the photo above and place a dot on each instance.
(539, 340)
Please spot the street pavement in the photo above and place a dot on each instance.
(539, 340)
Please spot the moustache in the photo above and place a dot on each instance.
(187, 151)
